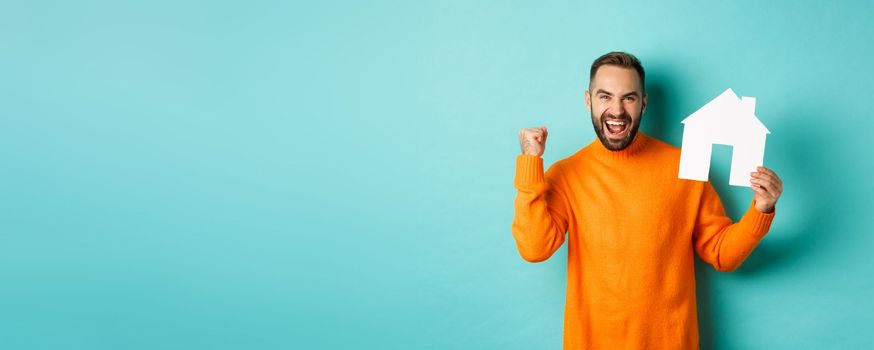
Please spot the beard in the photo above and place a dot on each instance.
(613, 144)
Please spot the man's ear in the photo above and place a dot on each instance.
(644, 105)
(588, 101)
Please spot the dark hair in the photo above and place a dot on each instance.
(621, 59)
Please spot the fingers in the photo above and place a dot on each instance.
(770, 173)
(764, 194)
(533, 140)
(769, 187)
(538, 134)
(766, 182)
(768, 179)
(765, 176)
(767, 171)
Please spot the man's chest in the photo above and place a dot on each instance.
(632, 212)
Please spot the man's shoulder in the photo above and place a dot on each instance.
(562, 163)
(668, 156)
(566, 166)
(574, 160)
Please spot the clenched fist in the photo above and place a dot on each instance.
(533, 140)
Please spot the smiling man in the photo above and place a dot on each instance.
(631, 224)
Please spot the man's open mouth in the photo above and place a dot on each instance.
(616, 128)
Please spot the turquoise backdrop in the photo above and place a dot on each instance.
(338, 175)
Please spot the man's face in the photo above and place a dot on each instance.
(617, 102)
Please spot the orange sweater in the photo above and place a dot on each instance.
(632, 227)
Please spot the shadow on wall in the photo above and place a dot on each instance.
(662, 118)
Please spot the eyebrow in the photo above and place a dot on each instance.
(601, 91)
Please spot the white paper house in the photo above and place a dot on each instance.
(726, 120)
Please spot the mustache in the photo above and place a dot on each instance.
(609, 116)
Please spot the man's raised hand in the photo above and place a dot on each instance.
(533, 140)
(767, 188)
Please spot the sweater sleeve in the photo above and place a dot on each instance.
(724, 244)
(540, 218)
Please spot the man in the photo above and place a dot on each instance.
(632, 224)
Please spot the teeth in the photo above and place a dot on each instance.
(611, 122)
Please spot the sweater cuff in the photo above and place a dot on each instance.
(529, 169)
(758, 223)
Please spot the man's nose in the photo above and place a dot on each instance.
(616, 107)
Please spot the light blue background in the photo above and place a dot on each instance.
(338, 175)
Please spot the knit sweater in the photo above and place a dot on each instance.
(632, 226)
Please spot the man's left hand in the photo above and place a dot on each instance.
(767, 188)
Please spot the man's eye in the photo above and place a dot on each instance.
(630, 98)
(605, 97)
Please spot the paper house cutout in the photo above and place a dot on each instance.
(726, 120)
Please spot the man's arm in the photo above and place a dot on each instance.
(723, 244)
(540, 219)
